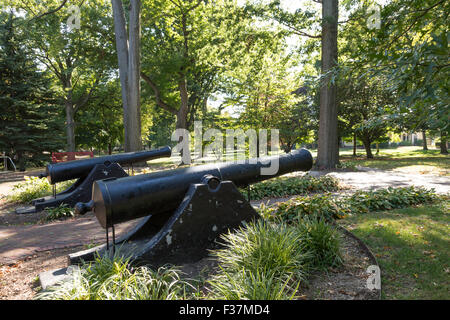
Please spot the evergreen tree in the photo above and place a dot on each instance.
(28, 113)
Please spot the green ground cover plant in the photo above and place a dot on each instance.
(34, 187)
(286, 186)
(63, 211)
(268, 260)
(331, 207)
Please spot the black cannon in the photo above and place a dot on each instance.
(184, 209)
(87, 171)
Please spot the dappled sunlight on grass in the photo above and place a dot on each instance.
(412, 248)
(404, 159)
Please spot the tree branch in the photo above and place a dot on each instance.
(85, 97)
(50, 11)
(425, 11)
(157, 93)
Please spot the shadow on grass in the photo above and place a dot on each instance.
(392, 162)
(412, 248)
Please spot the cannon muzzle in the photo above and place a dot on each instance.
(123, 199)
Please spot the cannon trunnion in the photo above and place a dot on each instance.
(182, 211)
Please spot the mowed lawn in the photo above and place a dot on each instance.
(403, 159)
(412, 247)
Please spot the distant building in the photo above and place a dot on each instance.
(414, 136)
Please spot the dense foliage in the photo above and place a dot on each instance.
(29, 119)
(232, 64)
(285, 186)
(331, 207)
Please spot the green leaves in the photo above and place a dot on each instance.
(61, 212)
(410, 50)
(112, 278)
(28, 113)
(267, 260)
(331, 207)
(280, 187)
(34, 187)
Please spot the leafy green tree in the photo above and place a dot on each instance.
(74, 57)
(363, 106)
(306, 23)
(29, 119)
(411, 48)
(100, 123)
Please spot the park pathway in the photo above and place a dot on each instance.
(370, 179)
(17, 242)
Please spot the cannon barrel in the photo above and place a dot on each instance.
(57, 172)
(119, 200)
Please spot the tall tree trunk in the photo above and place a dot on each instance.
(443, 144)
(354, 144)
(183, 113)
(122, 55)
(129, 71)
(21, 161)
(134, 88)
(328, 151)
(70, 115)
(70, 112)
(70, 130)
(367, 143)
(424, 140)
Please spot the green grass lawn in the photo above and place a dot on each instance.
(406, 159)
(412, 247)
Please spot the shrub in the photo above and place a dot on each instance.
(387, 199)
(285, 186)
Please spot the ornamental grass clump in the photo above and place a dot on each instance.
(246, 285)
(265, 247)
(113, 278)
(323, 241)
(268, 260)
(264, 260)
